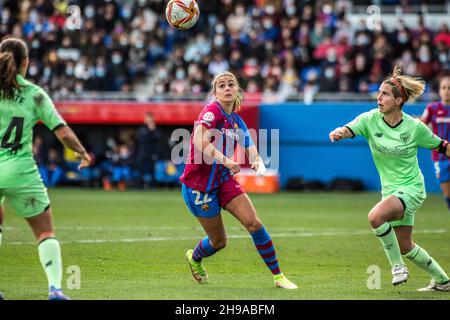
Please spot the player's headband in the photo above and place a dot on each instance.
(400, 88)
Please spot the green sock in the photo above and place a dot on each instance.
(50, 256)
(390, 244)
(422, 259)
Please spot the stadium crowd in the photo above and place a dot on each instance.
(275, 46)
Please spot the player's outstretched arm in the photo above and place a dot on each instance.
(203, 144)
(69, 139)
(340, 134)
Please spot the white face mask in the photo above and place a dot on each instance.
(219, 40)
(329, 73)
(32, 70)
(220, 28)
(89, 12)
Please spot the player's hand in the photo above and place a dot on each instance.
(85, 160)
(336, 134)
(233, 166)
(259, 167)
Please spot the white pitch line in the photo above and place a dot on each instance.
(232, 236)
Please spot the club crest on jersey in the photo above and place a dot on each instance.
(405, 138)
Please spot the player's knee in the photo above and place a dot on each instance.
(253, 225)
(374, 218)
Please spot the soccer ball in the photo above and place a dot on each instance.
(182, 14)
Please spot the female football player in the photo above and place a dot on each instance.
(438, 115)
(208, 183)
(22, 104)
(394, 138)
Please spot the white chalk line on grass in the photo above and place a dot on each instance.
(231, 236)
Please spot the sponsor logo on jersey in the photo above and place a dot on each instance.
(378, 134)
(208, 116)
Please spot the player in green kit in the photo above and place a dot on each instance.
(22, 104)
(394, 138)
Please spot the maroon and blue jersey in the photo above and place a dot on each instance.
(204, 173)
(438, 115)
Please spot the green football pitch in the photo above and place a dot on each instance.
(131, 245)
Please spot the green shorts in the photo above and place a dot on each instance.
(412, 198)
(27, 201)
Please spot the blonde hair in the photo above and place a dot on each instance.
(406, 87)
(240, 92)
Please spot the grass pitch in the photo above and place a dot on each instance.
(131, 245)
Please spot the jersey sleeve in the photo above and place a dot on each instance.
(209, 117)
(46, 111)
(358, 126)
(426, 138)
(245, 138)
(427, 114)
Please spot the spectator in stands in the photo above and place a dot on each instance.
(53, 172)
(148, 138)
(122, 42)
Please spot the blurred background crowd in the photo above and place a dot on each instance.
(278, 47)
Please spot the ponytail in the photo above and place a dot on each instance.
(8, 74)
(13, 52)
(405, 86)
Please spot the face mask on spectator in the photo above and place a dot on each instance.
(402, 38)
(362, 40)
(139, 44)
(5, 16)
(331, 56)
(267, 23)
(35, 44)
(78, 87)
(89, 12)
(69, 71)
(329, 73)
(220, 28)
(47, 72)
(159, 88)
(442, 57)
(116, 59)
(100, 72)
(327, 9)
(291, 10)
(219, 40)
(126, 13)
(32, 70)
(180, 74)
(162, 74)
(424, 57)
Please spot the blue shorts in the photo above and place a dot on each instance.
(208, 204)
(201, 204)
(442, 169)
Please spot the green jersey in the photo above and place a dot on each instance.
(394, 149)
(17, 119)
